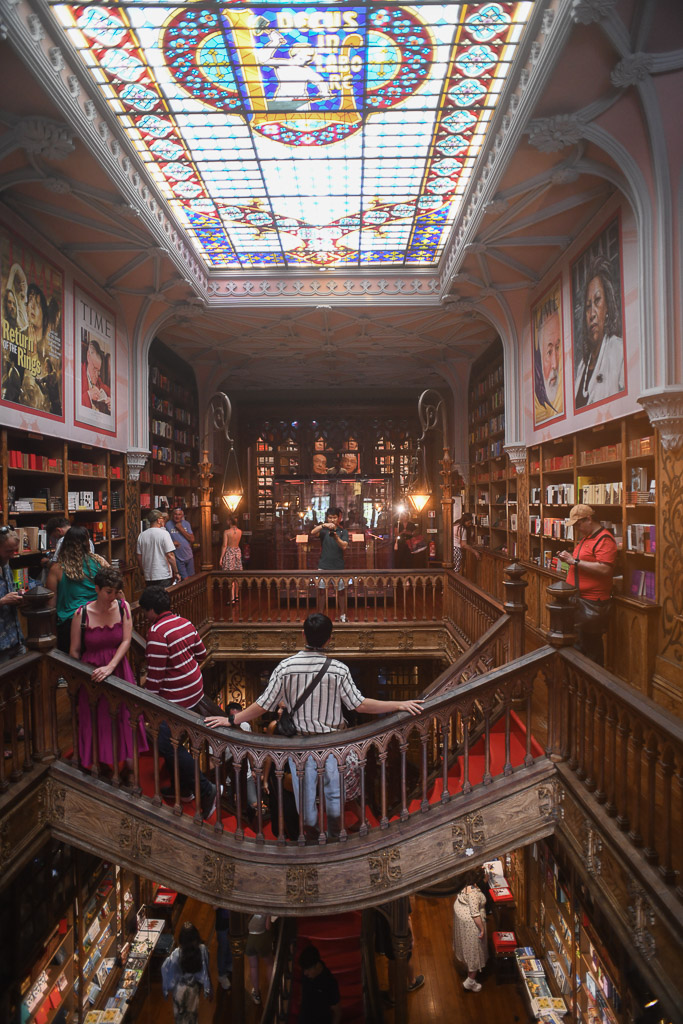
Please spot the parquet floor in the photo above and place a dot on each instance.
(441, 999)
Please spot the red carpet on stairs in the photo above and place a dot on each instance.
(337, 939)
(455, 780)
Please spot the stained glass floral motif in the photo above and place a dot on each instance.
(304, 135)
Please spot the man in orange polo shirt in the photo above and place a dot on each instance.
(591, 569)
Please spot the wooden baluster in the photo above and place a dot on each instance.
(581, 730)
(237, 771)
(26, 693)
(258, 775)
(322, 808)
(113, 725)
(153, 730)
(136, 788)
(364, 828)
(572, 715)
(197, 792)
(384, 820)
(217, 781)
(92, 704)
(600, 795)
(445, 754)
(424, 740)
(279, 781)
(403, 747)
(487, 778)
(590, 738)
(466, 784)
(679, 872)
(650, 850)
(621, 766)
(666, 867)
(507, 768)
(611, 760)
(635, 834)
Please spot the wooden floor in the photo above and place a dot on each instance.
(441, 999)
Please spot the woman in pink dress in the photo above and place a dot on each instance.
(101, 632)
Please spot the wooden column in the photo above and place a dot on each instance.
(205, 473)
(238, 944)
(514, 586)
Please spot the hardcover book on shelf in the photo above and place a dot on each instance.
(538, 987)
(551, 1004)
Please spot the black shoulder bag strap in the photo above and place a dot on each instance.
(311, 686)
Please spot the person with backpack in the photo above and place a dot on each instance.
(184, 972)
(591, 570)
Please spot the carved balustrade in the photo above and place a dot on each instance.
(21, 701)
(626, 752)
(406, 790)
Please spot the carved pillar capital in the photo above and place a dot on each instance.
(135, 460)
(665, 410)
(517, 455)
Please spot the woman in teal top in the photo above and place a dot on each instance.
(71, 580)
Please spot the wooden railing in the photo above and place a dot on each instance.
(20, 702)
(627, 753)
(397, 739)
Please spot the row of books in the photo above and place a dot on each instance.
(642, 584)
(177, 456)
(641, 446)
(79, 468)
(641, 537)
(558, 462)
(97, 528)
(606, 453)
(558, 529)
(86, 500)
(169, 480)
(161, 381)
(31, 538)
(29, 505)
(601, 493)
(492, 379)
(165, 429)
(497, 448)
(29, 460)
(557, 494)
(544, 1006)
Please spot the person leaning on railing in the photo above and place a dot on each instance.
(591, 570)
(320, 713)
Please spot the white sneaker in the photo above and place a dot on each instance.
(342, 618)
(224, 980)
(471, 985)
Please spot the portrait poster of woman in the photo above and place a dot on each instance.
(598, 356)
(32, 354)
(548, 356)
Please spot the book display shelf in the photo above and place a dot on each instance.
(99, 927)
(612, 468)
(50, 985)
(43, 477)
(171, 478)
(578, 966)
(492, 496)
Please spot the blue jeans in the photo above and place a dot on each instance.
(185, 764)
(185, 566)
(331, 788)
(223, 953)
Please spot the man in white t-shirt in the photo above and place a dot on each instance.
(156, 553)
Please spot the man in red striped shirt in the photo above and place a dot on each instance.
(174, 650)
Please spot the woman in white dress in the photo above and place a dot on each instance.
(469, 930)
(600, 373)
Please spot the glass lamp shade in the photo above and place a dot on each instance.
(232, 500)
(418, 500)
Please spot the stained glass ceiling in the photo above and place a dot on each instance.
(304, 135)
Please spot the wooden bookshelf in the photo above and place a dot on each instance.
(42, 477)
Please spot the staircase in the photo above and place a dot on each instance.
(338, 940)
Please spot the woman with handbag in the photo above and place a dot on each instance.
(591, 569)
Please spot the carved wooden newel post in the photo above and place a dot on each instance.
(560, 605)
(205, 474)
(41, 636)
(514, 586)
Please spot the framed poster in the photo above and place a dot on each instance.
(94, 364)
(548, 357)
(32, 367)
(598, 347)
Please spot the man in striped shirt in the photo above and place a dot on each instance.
(174, 650)
(321, 712)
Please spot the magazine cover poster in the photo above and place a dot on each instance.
(597, 321)
(32, 363)
(548, 357)
(94, 364)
